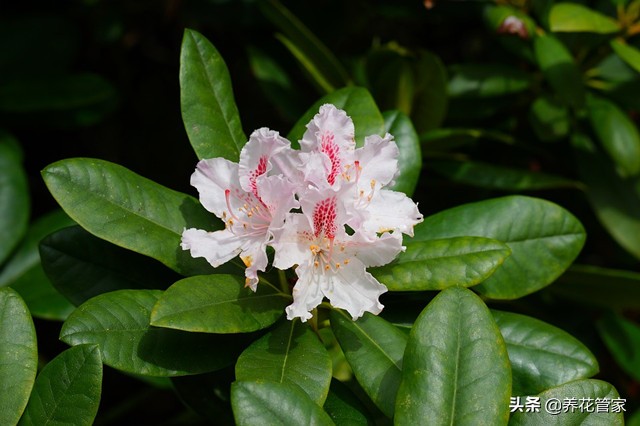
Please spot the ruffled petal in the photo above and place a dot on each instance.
(278, 195)
(212, 178)
(377, 161)
(374, 252)
(307, 294)
(217, 247)
(256, 156)
(291, 242)
(254, 257)
(390, 211)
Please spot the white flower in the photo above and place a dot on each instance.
(249, 198)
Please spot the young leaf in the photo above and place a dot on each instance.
(358, 104)
(14, 196)
(269, 403)
(538, 232)
(209, 110)
(542, 356)
(560, 70)
(374, 349)
(456, 369)
(128, 210)
(572, 17)
(18, 356)
(442, 263)
(67, 390)
(291, 354)
(118, 322)
(217, 304)
(622, 337)
(629, 54)
(345, 408)
(617, 134)
(589, 390)
(410, 157)
(486, 80)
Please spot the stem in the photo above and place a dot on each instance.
(284, 284)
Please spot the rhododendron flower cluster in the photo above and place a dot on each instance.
(324, 209)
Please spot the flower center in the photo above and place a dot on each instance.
(259, 170)
(324, 218)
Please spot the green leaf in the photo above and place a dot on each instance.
(580, 389)
(572, 17)
(218, 304)
(491, 176)
(345, 408)
(410, 157)
(486, 80)
(374, 349)
(14, 196)
(542, 356)
(130, 211)
(82, 266)
(447, 139)
(358, 104)
(538, 232)
(559, 69)
(269, 403)
(622, 338)
(629, 54)
(549, 119)
(291, 354)
(441, 263)
(118, 322)
(456, 369)
(18, 356)
(615, 201)
(617, 134)
(209, 111)
(430, 100)
(67, 390)
(315, 57)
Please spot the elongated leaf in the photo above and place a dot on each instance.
(486, 80)
(319, 61)
(14, 196)
(410, 157)
(593, 413)
(615, 201)
(374, 349)
(345, 408)
(447, 139)
(18, 356)
(629, 54)
(560, 70)
(549, 119)
(538, 232)
(486, 175)
(438, 264)
(358, 104)
(269, 403)
(67, 390)
(456, 368)
(118, 322)
(542, 356)
(128, 210)
(82, 266)
(290, 354)
(430, 102)
(209, 110)
(572, 17)
(622, 338)
(217, 304)
(617, 134)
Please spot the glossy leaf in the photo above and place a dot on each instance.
(345, 408)
(580, 389)
(622, 338)
(486, 80)
(292, 354)
(441, 263)
(217, 304)
(67, 390)
(559, 69)
(269, 403)
(14, 196)
(549, 119)
(615, 201)
(374, 349)
(629, 54)
(410, 157)
(358, 104)
(118, 322)
(209, 111)
(572, 17)
(82, 266)
(491, 176)
(128, 210)
(542, 356)
(617, 134)
(538, 232)
(456, 369)
(18, 356)
(315, 57)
